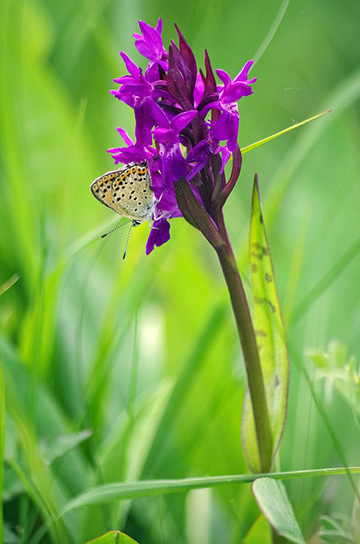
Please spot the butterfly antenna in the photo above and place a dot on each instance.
(127, 239)
(112, 230)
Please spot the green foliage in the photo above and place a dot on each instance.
(270, 337)
(125, 371)
(339, 373)
(339, 529)
(274, 503)
(2, 446)
(113, 537)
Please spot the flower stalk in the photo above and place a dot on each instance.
(250, 351)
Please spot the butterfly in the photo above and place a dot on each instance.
(127, 191)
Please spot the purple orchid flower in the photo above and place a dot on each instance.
(171, 102)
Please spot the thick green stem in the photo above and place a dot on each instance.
(250, 351)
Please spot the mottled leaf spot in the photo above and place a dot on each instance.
(257, 251)
(265, 300)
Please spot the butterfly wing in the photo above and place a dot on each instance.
(131, 190)
(126, 191)
(101, 189)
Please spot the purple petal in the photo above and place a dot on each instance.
(144, 49)
(159, 234)
(235, 92)
(152, 72)
(182, 120)
(167, 205)
(200, 155)
(243, 75)
(130, 65)
(139, 90)
(133, 153)
(226, 128)
(129, 100)
(157, 183)
(157, 114)
(198, 90)
(126, 79)
(165, 136)
(159, 26)
(173, 163)
(224, 76)
(150, 43)
(127, 140)
(225, 156)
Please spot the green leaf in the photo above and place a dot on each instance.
(339, 370)
(338, 529)
(113, 537)
(274, 503)
(260, 531)
(62, 444)
(2, 446)
(9, 283)
(271, 339)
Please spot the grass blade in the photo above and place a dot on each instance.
(104, 494)
(288, 129)
(2, 447)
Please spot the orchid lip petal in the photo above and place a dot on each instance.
(159, 234)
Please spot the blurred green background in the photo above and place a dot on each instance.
(119, 370)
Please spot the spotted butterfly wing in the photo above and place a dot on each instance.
(126, 191)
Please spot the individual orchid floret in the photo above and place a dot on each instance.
(167, 137)
(150, 45)
(132, 152)
(226, 126)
